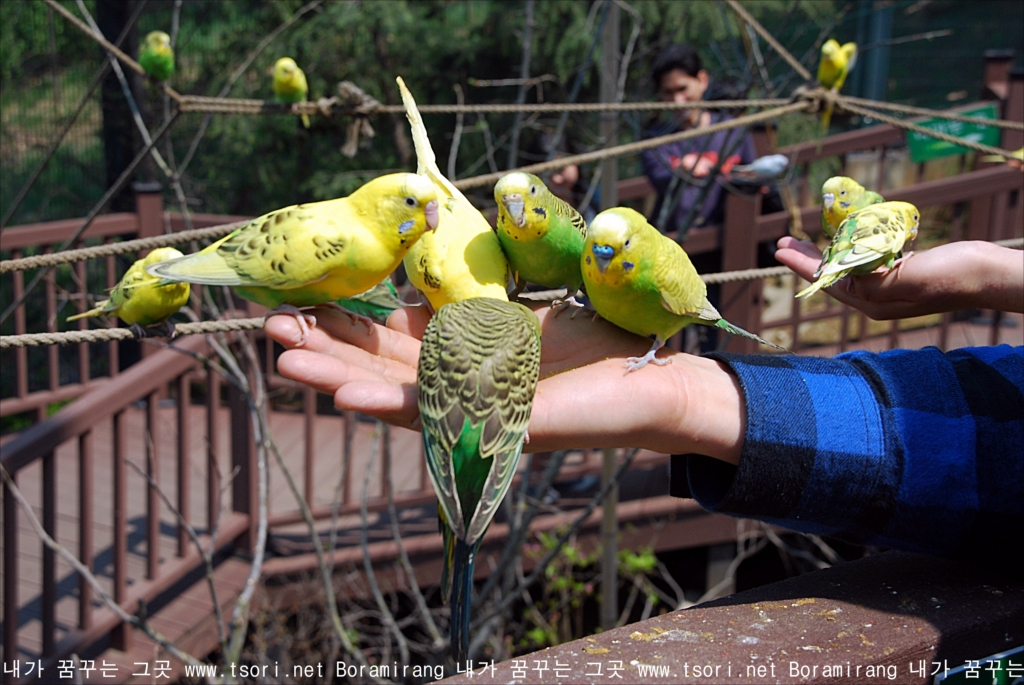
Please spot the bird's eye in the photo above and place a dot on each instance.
(533, 190)
(627, 243)
(915, 217)
(410, 202)
(842, 192)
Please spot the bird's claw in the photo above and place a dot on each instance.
(306, 322)
(568, 303)
(356, 318)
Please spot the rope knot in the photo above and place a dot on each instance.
(354, 102)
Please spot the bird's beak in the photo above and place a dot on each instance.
(603, 255)
(430, 212)
(515, 207)
(828, 199)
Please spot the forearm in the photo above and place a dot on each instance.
(995, 279)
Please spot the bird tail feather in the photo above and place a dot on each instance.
(98, 310)
(736, 330)
(462, 590)
(825, 281)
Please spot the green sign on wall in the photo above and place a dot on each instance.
(924, 147)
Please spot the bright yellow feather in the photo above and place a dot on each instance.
(462, 258)
(836, 63)
(140, 298)
(315, 253)
(290, 84)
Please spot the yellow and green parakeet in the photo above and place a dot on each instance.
(156, 56)
(462, 258)
(142, 300)
(841, 196)
(866, 240)
(477, 374)
(313, 254)
(836, 63)
(643, 281)
(542, 235)
(290, 84)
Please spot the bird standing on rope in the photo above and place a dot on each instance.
(156, 56)
(866, 240)
(643, 281)
(314, 254)
(477, 374)
(541, 235)
(840, 197)
(290, 84)
(836, 63)
(142, 300)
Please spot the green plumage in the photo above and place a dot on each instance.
(541, 235)
(478, 371)
(156, 56)
(377, 303)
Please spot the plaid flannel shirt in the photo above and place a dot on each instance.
(919, 450)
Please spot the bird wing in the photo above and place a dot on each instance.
(682, 290)
(874, 232)
(565, 210)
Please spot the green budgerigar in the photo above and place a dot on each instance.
(478, 371)
(377, 303)
(156, 56)
(643, 281)
(840, 197)
(541, 234)
(866, 240)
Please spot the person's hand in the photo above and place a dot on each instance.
(584, 398)
(960, 275)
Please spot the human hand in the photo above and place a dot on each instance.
(960, 275)
(584, 398)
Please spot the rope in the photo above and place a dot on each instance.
(67, 256)
(632, 148)
(841, 101)
(106, 334)
(327, 106)
(921, 111)
(770, 39)
(108, 46)
(225, 326)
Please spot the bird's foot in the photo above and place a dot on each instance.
(900, 262)
(305, 321)
(138, 331)
(356, 318)
(569, 303)
(167, 328)
(634, 363)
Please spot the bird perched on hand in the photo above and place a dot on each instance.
(313, 254)
(462, 258)
(142, 300)
(840, 197)
(477, 374)
(866, 240)
(643, 281)
(762, 170)
(836, 63)
(156, 56)
(541, 235)
(376, 303)
(290, 84)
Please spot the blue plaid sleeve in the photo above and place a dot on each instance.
(919, 450)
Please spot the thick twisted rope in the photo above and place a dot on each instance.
(922, 111)
(842, 102)
(107, 45)
(228, 325)
(327, 106)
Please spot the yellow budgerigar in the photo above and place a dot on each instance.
(866, 240)
(644, 282)
(290, 84)
(836, 63)
(840, 197)
(313, 254)
(142, 300)
(462, 258)
(156, 57)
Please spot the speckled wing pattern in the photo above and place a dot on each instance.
(875, 232)
(479, 362)
(565, 210)
(682, 290)
(287, 248)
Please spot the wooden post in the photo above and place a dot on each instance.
(741, 302)
(995, 74)
(149, 208)
(244, 488)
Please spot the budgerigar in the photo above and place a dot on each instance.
(290, 84)
(760, 171)
(313, 254)
(542, 235)
(142, 300)
(477, 375)
(156, 56)
(462, 258)
(866, 240)
(836, 62)
(643, 281)
(840, 197)
(376, 303)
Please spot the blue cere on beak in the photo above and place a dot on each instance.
(603, 254)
